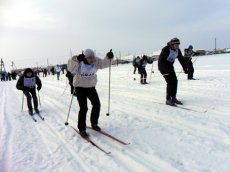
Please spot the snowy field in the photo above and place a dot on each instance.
(162, 138)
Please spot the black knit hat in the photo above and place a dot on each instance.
(28, 70)
(174, 41)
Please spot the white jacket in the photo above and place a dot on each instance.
(86, 75)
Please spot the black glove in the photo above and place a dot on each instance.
(38, 88)
(81, 57)
(110, 54)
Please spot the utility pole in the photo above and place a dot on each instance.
(215, 46)
(13, 66)
(2, 66)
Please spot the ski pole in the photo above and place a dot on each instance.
(109, 87)
(195, 60)
(39, 99)
(66, 123)
(66, 85)
(22, 100)
(65, 88)
(130, 70)
(179, 73)
(151, 74)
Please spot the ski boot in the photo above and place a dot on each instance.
(174, 99)
(145, 81)
(96, 127)
(37, 111)
(31, 112)
(170, 102)
(84, 134)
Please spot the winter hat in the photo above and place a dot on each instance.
(89, 53)
(174, 41)
(28, 70)
(190, 47)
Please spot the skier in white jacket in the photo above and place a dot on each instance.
(58, 71)
(84, 68)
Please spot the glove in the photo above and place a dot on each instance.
(110, 54)
(38, 88)
(81, 57)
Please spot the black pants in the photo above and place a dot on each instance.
(29, 95)
(171, 80)
(190, 68)
(58, 75)
(143, 74)
(135, 69)
(82, 95)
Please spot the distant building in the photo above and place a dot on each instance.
(227, 50)
(201, 52)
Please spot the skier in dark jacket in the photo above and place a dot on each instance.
(165, 66)
(143, 62)
(136, 63)
(27, 83)
(188, 53)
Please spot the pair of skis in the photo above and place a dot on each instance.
(185, 108)
(88, 139)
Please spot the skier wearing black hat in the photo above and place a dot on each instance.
(84, 68)
(188, 53)
(27, 83)
(143, 62)
(165, 66)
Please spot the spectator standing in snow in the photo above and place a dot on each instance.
(165, 66)
(14, 75)
(143, 62)
(27, 83)
(136, 63)
(84, 67)
(45, 71)
(188, 53)
(9, 76)
(58, 71)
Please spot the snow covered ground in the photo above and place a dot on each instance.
(163, 138)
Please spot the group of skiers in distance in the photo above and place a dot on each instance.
(82, 75)
(8, 76)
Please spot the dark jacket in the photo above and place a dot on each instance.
(188, 53)
(144, 61)
(22, 85)
(167, 59)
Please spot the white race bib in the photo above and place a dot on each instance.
(29, 82)
(172, 55)
(88, 71)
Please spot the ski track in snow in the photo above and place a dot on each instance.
(162, 138)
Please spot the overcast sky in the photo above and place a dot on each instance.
(33, 30)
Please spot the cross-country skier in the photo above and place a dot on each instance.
(58, 70)
(27, 83)
(143, 62)
(136, 63)
(84, 67)
(188, 53)
(165, 66)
